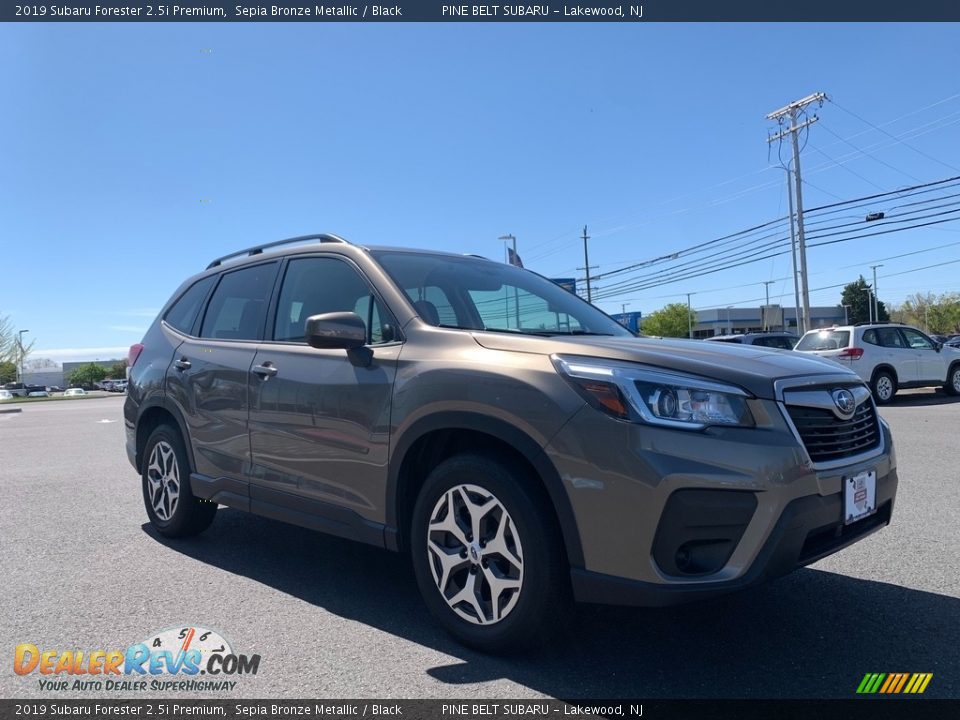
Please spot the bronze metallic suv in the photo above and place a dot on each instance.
(524, 448)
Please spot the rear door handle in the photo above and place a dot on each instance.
(267, 370)
(182, 364)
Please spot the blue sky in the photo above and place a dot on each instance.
(133, 154)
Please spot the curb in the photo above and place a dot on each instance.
(10, 410)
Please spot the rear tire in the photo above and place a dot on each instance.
(171, 506)
(952, 386)
(884, 387)
(488, 557)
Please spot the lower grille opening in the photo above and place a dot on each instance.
(828, 538)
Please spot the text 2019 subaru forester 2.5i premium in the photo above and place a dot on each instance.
(524, 448)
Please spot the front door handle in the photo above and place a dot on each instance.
(182, 364)
(265, 371)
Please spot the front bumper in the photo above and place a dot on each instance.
(778, 510)
(810, 528)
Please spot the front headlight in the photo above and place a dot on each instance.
(629, 391)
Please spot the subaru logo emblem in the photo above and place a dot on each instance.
(844, 401)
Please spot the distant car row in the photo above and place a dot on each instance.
(887, 356)
(15, 390)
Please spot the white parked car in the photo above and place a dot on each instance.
(6, 395)
(888, 357)
(39, 393)
(75, 392)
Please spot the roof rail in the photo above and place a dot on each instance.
(256, 250)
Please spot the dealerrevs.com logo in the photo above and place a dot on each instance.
(187, 658)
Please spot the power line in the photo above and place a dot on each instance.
(872, 157)
(683, 271)
(747, 260)
(843, 166)
(902, 142)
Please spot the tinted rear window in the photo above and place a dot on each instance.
(824, 340)
(184, 311)
(783, 343)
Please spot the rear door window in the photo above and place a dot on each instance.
(890, 338)
(238, 307)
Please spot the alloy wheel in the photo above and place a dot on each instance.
(163, 480)
(475, 554)
(884, 387)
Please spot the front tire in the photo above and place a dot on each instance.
(488, 557)
(952, 386)
(171, 506)
(884, 387)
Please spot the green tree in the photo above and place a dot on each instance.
(8, 341)
(858, 296)
(8, 371)
(933, 314)
(674, 320)
(87, 375)
(118, 371)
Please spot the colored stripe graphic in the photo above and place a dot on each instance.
(894, 683)
(903, 680)
(892, 679)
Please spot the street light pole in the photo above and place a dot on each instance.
(20, 347)
(729, 323)
(846, 314)
(623, 308)
(516, 292)
(689, 318)
(876, 302)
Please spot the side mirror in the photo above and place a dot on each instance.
(336, 330)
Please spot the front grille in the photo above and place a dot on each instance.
(827, 437)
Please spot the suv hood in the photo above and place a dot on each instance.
(751, 368)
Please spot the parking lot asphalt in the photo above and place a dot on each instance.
(81, 569)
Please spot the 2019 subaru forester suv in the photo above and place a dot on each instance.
(523, 447)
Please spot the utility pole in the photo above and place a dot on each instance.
(623, 308)
(689, 318)
(791, 111)
(876, 302)
(801, 326)
(766, 287)
(586, 264)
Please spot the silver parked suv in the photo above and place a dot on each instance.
(523, 448)
(888, 357)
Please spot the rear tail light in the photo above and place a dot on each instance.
(134, 353)
(851, 353)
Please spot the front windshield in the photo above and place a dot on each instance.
(477, 294)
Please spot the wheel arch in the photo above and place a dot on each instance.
(888, 368)
(432, 439)
(153, 415)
